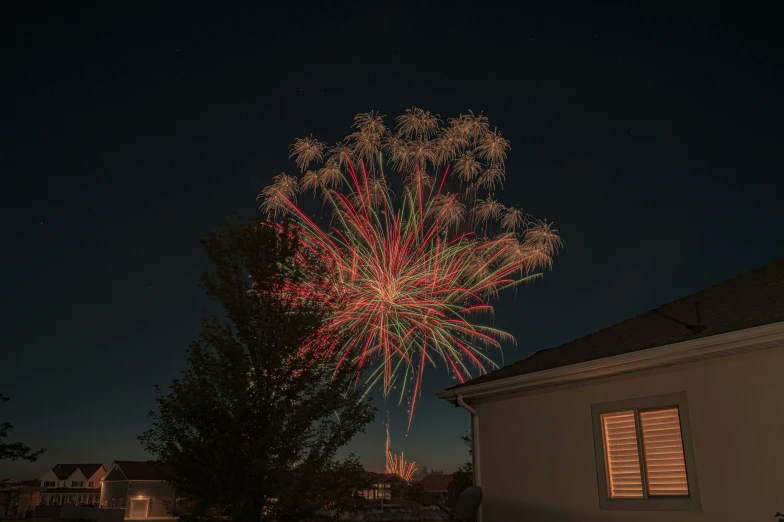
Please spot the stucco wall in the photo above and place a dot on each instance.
(157, 492)
(77, 476)
(50, 476)
(110, 490)
(95, 478)
(537, 448)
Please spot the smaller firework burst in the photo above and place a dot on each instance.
(397, 463)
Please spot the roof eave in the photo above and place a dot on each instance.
(719, 345)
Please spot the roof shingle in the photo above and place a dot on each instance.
(141, 470)
(749, 300)
(63, 471)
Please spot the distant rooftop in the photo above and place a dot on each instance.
(383, 478)
(63, 471)
(140, 470)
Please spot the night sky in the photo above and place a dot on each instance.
(651, 139)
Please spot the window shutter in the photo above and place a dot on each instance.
(665, 467)
(622, 455)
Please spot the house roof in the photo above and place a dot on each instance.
(437, 483)
(384, 478)
(9, 483)
(141, 470)
(752, 299)
(63, 471)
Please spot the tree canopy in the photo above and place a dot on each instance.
(14, 450)
(251, 429)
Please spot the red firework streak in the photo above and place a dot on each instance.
(411, 272)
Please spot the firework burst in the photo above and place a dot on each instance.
(412, 268)
(397, 463)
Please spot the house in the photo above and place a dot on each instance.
(437, 486)
(437, 482)
(384, 487)
(139, 488)
(16, 498)
(72, 484)
(676, 414)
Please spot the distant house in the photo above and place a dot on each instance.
(673, 415)
(72, 484)
(436, 486)
(16, 498)
(384, 487)
(139, 488)
(437, 483)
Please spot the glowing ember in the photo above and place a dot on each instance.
(412, 268)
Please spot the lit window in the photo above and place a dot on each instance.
(643, 454)
(621, 455)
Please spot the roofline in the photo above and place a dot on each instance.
(111, 467)
(71, 475)
(136, 480)
(738, 341)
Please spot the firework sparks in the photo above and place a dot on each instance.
(413, 270)
(397, 463)
(306, 151)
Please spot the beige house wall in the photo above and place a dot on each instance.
(537, 447)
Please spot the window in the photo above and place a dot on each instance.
(49, 483)
(114, 502)
(77, 483)
(91, 484)
(644, 457)
(119, 502)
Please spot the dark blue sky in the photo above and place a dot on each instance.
(652, 140)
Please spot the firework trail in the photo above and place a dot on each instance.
(397, 463)
(412, 267)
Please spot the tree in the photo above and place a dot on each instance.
(460, 481)
(348, 478)
(416, 494)
(14, 450)
(463, 477)
(468, 466)
(252, 427)
(335, 487)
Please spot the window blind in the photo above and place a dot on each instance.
(621, 455)
(665, 467)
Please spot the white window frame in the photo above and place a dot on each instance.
(692, 502)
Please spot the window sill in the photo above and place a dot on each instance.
(651, 504)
